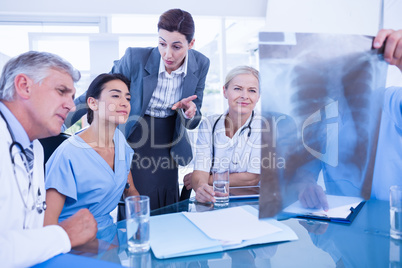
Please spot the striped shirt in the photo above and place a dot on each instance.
(168, 91)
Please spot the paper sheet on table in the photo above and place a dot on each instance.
(231, 225)
(339, 207)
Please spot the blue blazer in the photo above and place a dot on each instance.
(141, 66)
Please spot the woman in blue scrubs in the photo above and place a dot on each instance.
(91, 169)
(167, 85)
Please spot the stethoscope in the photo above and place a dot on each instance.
(39, 205)
(213, 137)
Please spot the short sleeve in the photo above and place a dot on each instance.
(60, 172)
(393, 105)
(203, 150)
(254, 163)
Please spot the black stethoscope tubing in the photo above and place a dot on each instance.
(40, 206)
(213, 137)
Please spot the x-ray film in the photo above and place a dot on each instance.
(321, 98)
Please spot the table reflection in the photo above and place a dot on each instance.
(364, 243)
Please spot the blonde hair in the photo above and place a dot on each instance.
(241, 70)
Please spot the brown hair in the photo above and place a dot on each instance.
(177, 20)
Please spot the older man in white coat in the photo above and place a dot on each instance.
(36, 93)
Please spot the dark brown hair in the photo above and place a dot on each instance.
(177, 20)
(96, 87)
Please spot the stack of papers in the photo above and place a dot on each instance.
(231, 226)
(184, 234)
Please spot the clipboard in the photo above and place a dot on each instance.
(348, 220)
(342, 209)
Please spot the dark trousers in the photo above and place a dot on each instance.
(154, 171)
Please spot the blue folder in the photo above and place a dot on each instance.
(173, 235)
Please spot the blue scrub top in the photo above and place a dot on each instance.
(388, 167)
(77, 171)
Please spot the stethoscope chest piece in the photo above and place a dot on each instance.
(40, 205)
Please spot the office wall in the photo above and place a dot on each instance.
(252, 8)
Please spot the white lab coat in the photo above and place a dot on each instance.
(241, 153)
(19, 247)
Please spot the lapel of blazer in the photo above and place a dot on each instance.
(151, 80)
(191, 80)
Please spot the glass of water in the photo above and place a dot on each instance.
(395, 205)
(137, 213)
(221, 188)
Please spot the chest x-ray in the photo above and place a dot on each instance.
(321, 96)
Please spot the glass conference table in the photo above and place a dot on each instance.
(364, 243)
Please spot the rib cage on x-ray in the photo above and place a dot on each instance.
(336, 81)
(327, 84)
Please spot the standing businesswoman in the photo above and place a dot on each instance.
(167, 85)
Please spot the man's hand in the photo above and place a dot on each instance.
(393, 46)
(187, 105)
(80, 228)
(312, 196)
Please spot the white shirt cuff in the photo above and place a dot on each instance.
(65, 240)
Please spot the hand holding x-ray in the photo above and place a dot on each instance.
(393, 46)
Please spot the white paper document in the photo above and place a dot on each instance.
(339, 207)
(231, 225)
(184, 234)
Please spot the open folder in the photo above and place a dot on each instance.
(342, 209)
(189, 233)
